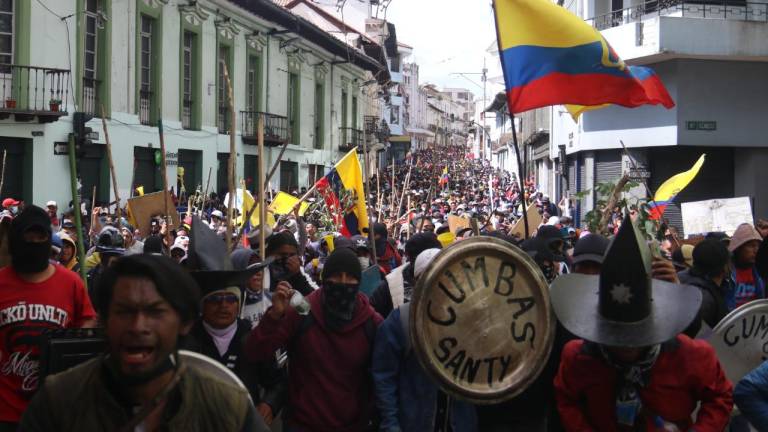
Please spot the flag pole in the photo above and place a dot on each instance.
(521, 173)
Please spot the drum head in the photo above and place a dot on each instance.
(481, 321)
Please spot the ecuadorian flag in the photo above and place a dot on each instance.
(346, 175)
(670, 188)
(552, 57)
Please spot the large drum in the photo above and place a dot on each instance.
(741, 339)
(481, 321)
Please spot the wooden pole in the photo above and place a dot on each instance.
(76, 205)
(111, 162)
(205, 194)
(2, 174)
(168, 219)
(232, 159)
(366, 193)
(522, 175)
(262, 183)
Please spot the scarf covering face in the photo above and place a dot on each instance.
(631, 378)
(339, 301)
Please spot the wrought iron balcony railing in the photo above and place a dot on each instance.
(145, 107)
(33, 91)
(276, 131)
(726, 9)
(186, 114)
(350, 138)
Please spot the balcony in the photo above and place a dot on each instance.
(350, 138)
(30, 92)
(91, 104)
(659, 30)
(145, 107)
(276, 132)
(186, 114)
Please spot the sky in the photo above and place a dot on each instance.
(447, 36)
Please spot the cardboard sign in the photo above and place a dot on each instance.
(144, 208)
(455, 223)
(701, 217)
(534, 220)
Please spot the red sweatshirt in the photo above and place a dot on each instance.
(686, 372)
(329, 387)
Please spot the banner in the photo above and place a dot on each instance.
(716, 215)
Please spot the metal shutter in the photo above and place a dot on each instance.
(607, 166)
(582, 179)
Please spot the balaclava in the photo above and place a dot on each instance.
(339, 299)
(30, 257)
(381, 244)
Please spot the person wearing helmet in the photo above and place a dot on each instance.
(110, 245)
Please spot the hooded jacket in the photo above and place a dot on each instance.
(713, 304)
(329, 385)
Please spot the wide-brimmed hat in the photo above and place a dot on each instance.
(623, 306)
(210, 264)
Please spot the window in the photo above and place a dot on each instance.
(316, 172)
(223, 92)
(319, 114)
(187, 86)
(253, 72)
(293, 107)
(394, 115)
(354, 112)
(90, 57)
(6, 35)
(146, 83)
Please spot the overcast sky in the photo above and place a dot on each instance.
(447, 36)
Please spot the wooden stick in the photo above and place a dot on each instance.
(232, 156)
(168, 219)
(205, 195)
(111, 163)
(262, 182)
(276, 164)
(2, 174)
(366, 192)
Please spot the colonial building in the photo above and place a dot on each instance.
(138, 62)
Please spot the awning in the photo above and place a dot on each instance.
(400, 138)
(420, 131)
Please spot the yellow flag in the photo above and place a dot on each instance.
(248, 204)
(140, 190)
(577, 110)
(284, 203)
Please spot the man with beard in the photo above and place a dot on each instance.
(148, 302)
(34, 296)
(329, 350)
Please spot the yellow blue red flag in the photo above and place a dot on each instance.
(670, 188)
(348, 176)
(552, 57)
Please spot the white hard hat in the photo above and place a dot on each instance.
(51, 204)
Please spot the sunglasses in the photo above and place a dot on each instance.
(222, 298)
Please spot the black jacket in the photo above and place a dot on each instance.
(713, 306)
(381, 297)
(255, 376)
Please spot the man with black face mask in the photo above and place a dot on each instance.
(329, 349)
(35, 296)
(386, 253)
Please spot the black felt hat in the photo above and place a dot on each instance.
(210, 264)
(623, 306)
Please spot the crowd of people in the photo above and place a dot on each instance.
(317, 351)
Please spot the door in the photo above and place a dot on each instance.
(251, 173)
(147, 170)
(222, 182)
(192, 163)
(93, 169)
(15, 178)
(289, 176)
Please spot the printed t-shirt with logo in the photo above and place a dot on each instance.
(26, 311)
